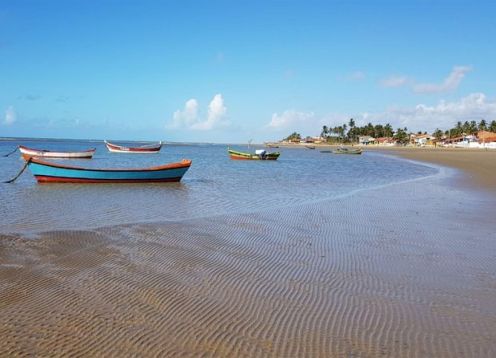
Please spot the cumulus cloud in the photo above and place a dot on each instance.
(441, 115)
(10, 116)
(290, 118)
(450, 83)
(190, 118)
(394, 81)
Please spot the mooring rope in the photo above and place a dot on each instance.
(6, 155)
(19, 174)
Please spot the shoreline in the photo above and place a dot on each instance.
(478, 165)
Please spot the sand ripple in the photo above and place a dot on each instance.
(322, 280)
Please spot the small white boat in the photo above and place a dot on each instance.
(144, 149)
(40, 153)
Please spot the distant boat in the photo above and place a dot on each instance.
(144, 149)
(47, 172)
(310, 146)
(326, 151)
(40, 153)
(271, 145)
(345, 150)
(258, 155)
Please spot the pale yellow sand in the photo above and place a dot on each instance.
(479, 165)
(379, 273)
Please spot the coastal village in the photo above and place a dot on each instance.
(466, 135)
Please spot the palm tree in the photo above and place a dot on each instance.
(401, 136)
(388, 130)
(325, 132)
(438, 134)
(492, 126)
(482, 125)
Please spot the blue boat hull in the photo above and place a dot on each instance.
(46, 172)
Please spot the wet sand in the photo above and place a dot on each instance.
(479, 165)
(404, 271)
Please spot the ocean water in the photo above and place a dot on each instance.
(214, 185)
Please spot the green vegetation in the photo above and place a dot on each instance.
(293, 137)
(402, 136)
(470, 128)
(350, 133)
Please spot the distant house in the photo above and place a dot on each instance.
(366, 140)
(386, 141)
(450, 141)
(422, 140)
(486, 137)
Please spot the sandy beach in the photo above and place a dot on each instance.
(479, 165)
(390, 272)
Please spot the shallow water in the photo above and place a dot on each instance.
(406, 270)
(213, 185)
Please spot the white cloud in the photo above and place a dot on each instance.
(216, 115)
(442, 115)
(190, 118)
(450, 83)
(10, 116)
(394, 81)
(290, 118)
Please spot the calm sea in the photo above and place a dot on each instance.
(213, 185)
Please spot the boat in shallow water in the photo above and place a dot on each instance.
(144, 149)
(258, 155)
(47, 172)
(40, 153)
(345, 150)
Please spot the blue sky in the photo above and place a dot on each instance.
(230, 71)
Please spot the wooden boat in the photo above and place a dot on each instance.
(259, 155)
(47, 172)
(39, 153)
(345, 150)
(144, 149)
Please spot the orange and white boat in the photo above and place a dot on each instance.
(144, 149)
